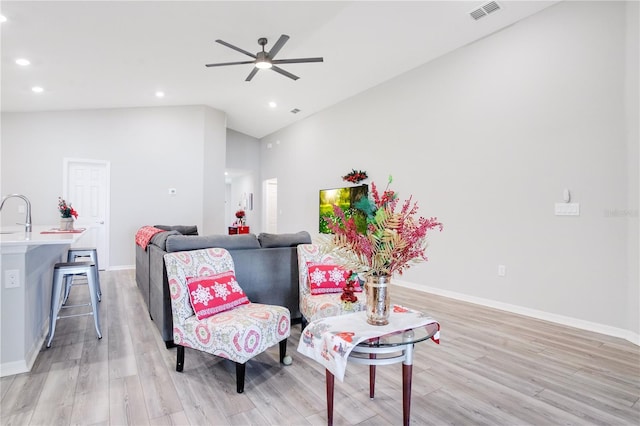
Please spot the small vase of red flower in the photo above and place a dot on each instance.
(240, 218)
(67, 215)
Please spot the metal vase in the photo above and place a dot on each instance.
(377, 288)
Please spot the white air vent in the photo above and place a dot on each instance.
(295, 111)
(484, 10)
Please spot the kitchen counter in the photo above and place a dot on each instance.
(25, 294)
(15, 236)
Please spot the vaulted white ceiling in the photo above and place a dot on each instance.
(113, 54)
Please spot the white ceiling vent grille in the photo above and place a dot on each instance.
(484, 10)
(295, 111)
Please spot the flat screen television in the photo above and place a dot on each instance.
(345, 198)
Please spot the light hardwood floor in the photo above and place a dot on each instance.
(491, 368)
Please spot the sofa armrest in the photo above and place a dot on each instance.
(182, 229)
(142, 273)
(283, 240)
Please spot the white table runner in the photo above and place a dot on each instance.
(329, 341)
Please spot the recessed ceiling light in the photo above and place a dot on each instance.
(273, 104)
(23, 62)
(3, 18)
(159, 94)
(37, 89)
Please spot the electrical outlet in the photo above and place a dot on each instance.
(502, 270)
(12, 278)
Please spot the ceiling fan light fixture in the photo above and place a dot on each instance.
(263, 65)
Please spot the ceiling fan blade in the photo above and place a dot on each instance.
(229, 63)
(285, 73)
(253, 72)
(231, 46)
(296, 61)
(276, 47)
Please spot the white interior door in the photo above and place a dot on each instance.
(86, 187)
(271, 210)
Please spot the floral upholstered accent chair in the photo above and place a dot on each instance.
(225, 324)
(326, 304)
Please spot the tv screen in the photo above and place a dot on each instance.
(346, 199)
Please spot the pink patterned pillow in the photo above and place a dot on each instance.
(328, 278)
(210, 295)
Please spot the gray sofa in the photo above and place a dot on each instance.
(266, 268)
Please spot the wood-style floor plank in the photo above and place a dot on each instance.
(491, 368)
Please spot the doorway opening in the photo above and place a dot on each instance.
(271, 205)
(86, 187)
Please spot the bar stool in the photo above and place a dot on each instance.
(74, 253)
(61, 271)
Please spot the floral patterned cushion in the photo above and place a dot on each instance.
(328, 278)
(210, 295)
(321, 305)
(238, 334)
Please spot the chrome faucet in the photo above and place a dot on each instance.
(27, 222)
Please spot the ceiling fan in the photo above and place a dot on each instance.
(265, 60)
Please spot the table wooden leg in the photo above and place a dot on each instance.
(372, 377)
(330, 379)
(406, 393)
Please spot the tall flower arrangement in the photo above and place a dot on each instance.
(394, 238)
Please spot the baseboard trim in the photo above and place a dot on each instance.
(25, 365)
(14, 367)
(121, 267)
(533, 313)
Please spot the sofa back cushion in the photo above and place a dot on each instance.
(229, 242)
(269, 276)
(284, 240)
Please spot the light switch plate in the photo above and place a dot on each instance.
(567, 209)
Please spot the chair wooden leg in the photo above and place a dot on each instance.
(180, 358)
(239, 377)
(283, 350)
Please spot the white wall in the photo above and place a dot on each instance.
(243, 163)
(214, 154)
(150, 150)
(486, 139)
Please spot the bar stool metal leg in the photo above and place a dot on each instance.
(55, 303)
(91, 253)
(61, 272)
(93, 290)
